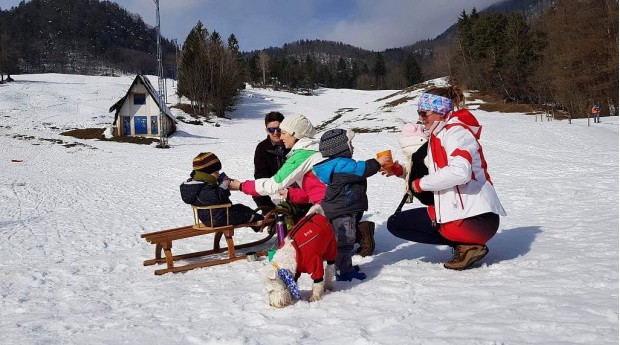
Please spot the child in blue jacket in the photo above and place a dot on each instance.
(345, 197)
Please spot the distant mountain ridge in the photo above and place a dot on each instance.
(331, 51)
(99, 37)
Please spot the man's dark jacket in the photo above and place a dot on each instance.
(268, 158)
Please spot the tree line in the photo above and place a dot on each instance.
(566, 59)
(307, 64)
(211, 74)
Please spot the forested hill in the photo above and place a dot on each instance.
(99, 37)
(77, 36)
(426, 50)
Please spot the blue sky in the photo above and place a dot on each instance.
(369, 24)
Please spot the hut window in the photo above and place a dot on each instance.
(139, 98)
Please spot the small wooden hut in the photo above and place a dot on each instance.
(137, 113)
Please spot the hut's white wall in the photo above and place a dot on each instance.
(141, 119)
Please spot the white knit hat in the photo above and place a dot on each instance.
(298, 126)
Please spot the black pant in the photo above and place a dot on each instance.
(264, 201)
(415, 225)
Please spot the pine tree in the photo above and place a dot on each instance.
(192, 71)
(379, 72)
(309, 71)
(413, 72)
(342, 74)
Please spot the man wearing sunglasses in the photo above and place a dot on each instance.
(270, 154)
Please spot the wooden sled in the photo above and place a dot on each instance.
(163, 240)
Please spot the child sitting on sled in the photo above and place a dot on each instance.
(207, 187)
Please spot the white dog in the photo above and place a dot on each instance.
(310, 243)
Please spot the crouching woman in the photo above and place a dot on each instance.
(466, 209)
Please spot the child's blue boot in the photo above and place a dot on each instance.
(354, 274)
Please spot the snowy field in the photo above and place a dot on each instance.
(71, 217)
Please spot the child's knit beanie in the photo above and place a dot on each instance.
(335, 143)
(207, 162)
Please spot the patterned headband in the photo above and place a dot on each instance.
(436, 104)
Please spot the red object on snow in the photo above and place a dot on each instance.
(16, 160)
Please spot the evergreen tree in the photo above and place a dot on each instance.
(253, 68)
(413, 72)
(8, 55)
(233, 47)
(379, 72)
(192, 72)
(365, 69)
(309, 71)
(342, 74)
(355, 72)
(519, 59)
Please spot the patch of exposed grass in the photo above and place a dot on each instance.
(85, 133)
(376, 130)
(388, 96)
(507, 108)
(397, 102)
(338, 115)
(485, 98)
(37, 141)
(97, 133)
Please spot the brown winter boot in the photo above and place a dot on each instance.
(466, 255)
(365, 235)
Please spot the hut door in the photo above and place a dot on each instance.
(154, 125)
(140, 124)
(126, 125)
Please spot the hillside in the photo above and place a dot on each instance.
(427, 51)
(99, 37)
(80, 36)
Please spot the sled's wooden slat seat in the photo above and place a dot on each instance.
(163, 241)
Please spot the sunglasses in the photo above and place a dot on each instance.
(274, 129)
(423, 113)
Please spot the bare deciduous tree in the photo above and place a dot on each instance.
(263, 65)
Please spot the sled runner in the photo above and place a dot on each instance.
(163, 241)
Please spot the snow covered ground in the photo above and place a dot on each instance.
(71, 217)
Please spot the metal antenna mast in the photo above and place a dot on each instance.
(163, 125)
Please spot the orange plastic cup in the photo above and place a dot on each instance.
(390, 162)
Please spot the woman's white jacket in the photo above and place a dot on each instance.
(458, 173)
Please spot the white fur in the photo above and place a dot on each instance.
(315, 209)
(279, 294)
(317, 291)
